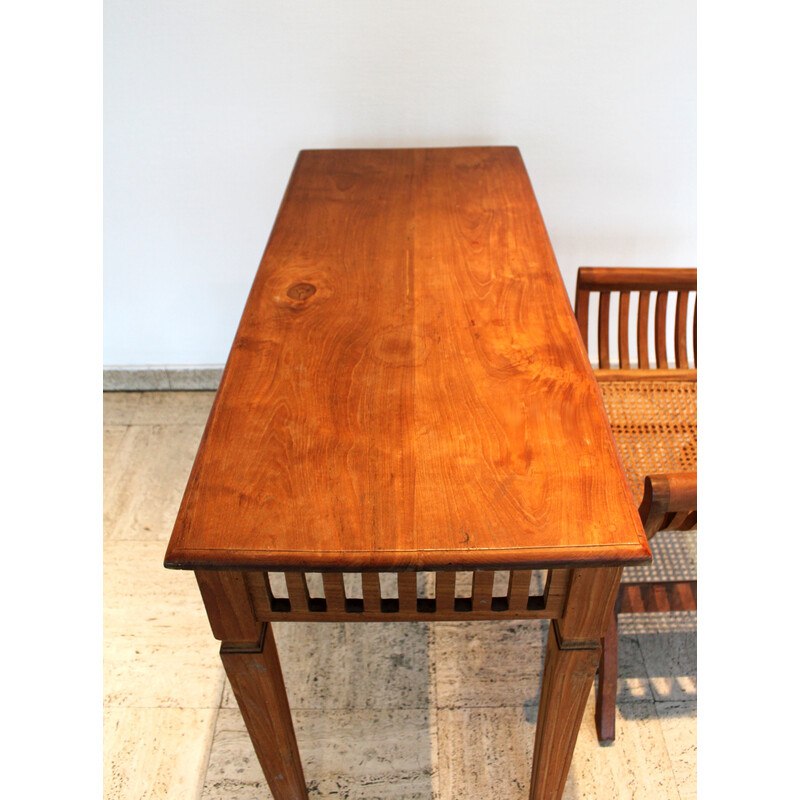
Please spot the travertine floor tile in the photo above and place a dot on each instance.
(147, 479)
(484, 753)
(488, 663)
(353, 666)
(487, 753)
(119, 407)
(173, 408)
(158, 648)
(635, 767)
(671, 663)
(157, 753)
(633, 683)
(348, 755)
(679, 726)
(112, 438)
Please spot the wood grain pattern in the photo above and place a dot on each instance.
(573, 654)
(661, 330)
(519, 583)
(602, 329)
(642, 338)
(567, 681)
(681, 318)
(407, 388)
(226, 597)
(623, 329)
(258, 687)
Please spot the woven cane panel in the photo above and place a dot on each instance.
(655, 427)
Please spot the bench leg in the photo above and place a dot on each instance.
(606, 699)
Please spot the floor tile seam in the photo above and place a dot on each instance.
(208, 748)
(652, 678)
(689, 701)
(643, 660)
(136, 707)
(487, 707)
(323, 710)
(668, 750)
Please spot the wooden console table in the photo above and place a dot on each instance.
(407, 391)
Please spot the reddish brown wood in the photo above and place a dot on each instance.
(642, 348)
(445, 592)
(519, 583)
(371, 591)
(606, 703)
(670, 499)
(666, 494)
(482, 583)
(681, 317)
(634, 279)
(407, 592)
(623, 329)
(298, 591)
(407, 388)
(603, 330)
(644, 598)
(582, 313)
(257, 683)
(652, 374)
(661, 330)
(573, 653)
(334, 591)
(228, 606)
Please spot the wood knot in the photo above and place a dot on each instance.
(301, 291)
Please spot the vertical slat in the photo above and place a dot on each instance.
(661, 330)
(681, 316)
(519, 586)
(602, 329)
(334, 590)
(407, 591)
(622, 330)
(445, 591)
(555, 590)
(694, 333)
(641, 330)
(371, 591)
(297, 588)
(482, 584)
(582, 313)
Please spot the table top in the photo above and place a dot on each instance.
(407, 388)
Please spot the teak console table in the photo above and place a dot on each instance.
(407, 391)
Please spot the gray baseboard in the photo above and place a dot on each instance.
(161, 379)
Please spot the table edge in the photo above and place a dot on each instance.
(626, 554)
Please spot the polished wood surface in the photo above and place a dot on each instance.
(407, 388)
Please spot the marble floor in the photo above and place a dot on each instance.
(382, 711)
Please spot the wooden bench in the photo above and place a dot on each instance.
(651, 400)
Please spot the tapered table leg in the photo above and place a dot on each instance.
(573, 653)
(258, 686)
(251, 662)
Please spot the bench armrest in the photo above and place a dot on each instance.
(669, 502)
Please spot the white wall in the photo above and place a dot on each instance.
(208, 101)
